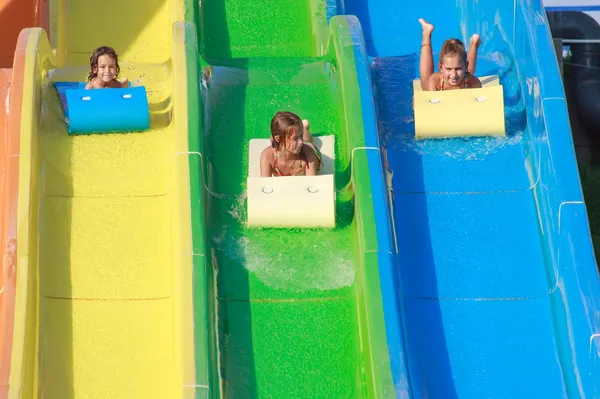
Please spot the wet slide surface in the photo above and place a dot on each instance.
(475, 274)
(286, 298)
(109, 299)
(288, 321)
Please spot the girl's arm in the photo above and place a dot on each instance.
(265, 164)
(311, 162)
(124, 83)
(431, 85)
(474, 82)
(474, 44)
(89, 85)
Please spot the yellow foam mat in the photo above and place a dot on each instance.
(470, 112)
(292, 201)
(107, 349)
(105, 247)
(459, 113)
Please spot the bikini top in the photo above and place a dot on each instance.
(466, 86)
(301, 171)
(277, 171)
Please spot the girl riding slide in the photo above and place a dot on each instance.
(292, 152)
(104, 70)
(456, 67)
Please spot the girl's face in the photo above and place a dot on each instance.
(453, 70)
(294, 142)
(106, 69)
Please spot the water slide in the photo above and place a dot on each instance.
(497, 284)
(298, 313)
(14, 16)
(7, 232)
(119, 294)
(104, 303)
(498, 289)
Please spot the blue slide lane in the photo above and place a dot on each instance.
(495, 291)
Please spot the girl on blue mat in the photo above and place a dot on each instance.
(457, 67)
(104, 70)
(292, 152)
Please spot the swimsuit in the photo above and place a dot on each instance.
(466, 84)
(302, 168)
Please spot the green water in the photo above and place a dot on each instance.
(288, 323)
(262, 28)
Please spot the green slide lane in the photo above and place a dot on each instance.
(291, 313)
(264, 28)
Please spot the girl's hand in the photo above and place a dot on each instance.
(124, 82)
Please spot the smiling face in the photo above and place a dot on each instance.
(106, 70)
(453, 70)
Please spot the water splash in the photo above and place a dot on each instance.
(296, 260)
(393, 77)
(463, 148)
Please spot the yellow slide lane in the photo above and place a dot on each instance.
(108, 216)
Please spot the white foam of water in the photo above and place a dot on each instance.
(284, 260)
(334, 270)
(468, 149)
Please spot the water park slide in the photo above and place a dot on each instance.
(298, 312)
(498, 288)
(104, 305)
(105, 252)
(8, 180)
(14, 16)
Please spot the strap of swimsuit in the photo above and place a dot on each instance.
(466, 85)
(277, 171)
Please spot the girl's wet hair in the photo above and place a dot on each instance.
(99, 52)
(284, 124)
(453, 48)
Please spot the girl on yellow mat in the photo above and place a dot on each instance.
(292, 151)
(456, 65)
(104, 70)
